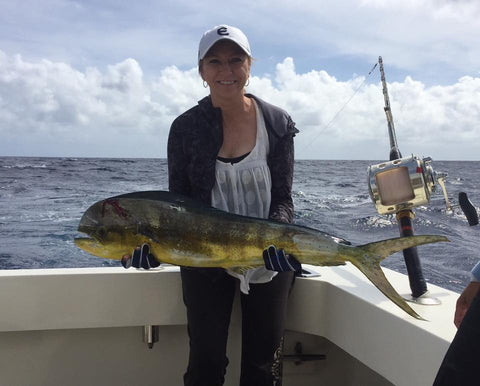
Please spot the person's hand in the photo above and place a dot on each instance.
(464, 301)
(276, 260)
(140, 258)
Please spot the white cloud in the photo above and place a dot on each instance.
(47, 98)
(440, 119)
(49, 108)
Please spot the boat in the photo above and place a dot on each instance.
(93, 326)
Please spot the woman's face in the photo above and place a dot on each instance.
(226, 69)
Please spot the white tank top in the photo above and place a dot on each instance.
(245, 188)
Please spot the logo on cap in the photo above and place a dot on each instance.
(222, 31)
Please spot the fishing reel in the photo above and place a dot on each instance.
(403, 184)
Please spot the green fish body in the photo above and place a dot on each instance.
(182, 232)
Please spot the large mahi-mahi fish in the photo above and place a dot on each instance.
(181, 231)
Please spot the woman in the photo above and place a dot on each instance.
(235, 152)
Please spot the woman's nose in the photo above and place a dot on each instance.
(226, 66)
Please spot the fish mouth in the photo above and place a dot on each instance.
(87, 243)
(100, 247)
(94, 247)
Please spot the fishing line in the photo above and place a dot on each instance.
(339, 111)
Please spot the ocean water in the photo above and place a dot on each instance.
(42, 200)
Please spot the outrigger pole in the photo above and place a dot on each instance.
(404, 217)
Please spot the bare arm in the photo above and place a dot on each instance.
(464, 301)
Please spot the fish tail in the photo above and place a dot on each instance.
(367, 259)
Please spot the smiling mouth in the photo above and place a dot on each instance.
(227, 82)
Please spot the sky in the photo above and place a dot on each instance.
(107, 78)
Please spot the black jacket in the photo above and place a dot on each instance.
(196, 137)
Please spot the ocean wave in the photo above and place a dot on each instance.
(20, 188)
(345, 185)
(456, 181)
(25, 166)
(104, 169)
(376, 221)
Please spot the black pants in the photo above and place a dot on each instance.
(462, 360)
(208, 294)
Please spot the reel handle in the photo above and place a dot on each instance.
(468, 209)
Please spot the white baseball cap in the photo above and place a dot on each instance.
(220, 32)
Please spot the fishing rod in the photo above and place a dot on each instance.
(394, 150)
(404, 217)
(399, 185)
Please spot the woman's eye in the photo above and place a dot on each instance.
(213, 61)
(236, 60)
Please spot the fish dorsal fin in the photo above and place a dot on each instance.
(161, 195)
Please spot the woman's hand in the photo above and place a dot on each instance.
(276, 260)
(140, 258)
(464, 301)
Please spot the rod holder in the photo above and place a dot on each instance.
(418, 285)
